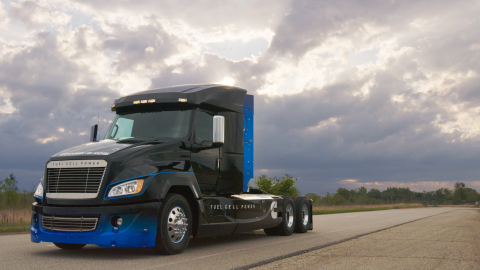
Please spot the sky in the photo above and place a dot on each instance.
(347, 93)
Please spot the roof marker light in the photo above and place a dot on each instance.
(144, 101)
(151, 101)
(136, 102)
(182, 100)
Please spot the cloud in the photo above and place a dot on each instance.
(371, 92)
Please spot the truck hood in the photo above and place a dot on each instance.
(101, 148)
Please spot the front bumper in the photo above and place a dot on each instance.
(139, 228)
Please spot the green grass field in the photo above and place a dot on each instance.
(15, 220)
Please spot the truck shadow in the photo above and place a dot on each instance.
(119, 253)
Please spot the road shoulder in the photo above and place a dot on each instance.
(447, 241)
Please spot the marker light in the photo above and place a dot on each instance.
(144, 101)
(126, 188)
(136, 102)
(182, 100)
(39, 192)
(151, 101)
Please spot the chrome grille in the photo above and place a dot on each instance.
(69, 224)
(74, 180)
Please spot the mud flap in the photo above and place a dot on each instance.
(310, 220)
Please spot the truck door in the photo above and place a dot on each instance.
(205, 163)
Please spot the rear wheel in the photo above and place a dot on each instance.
(303, 214)
(288, 217)
(69, 246)
(174, 225)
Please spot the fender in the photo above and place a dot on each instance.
(163, 181)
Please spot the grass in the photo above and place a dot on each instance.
(322, 210)
(15, 220)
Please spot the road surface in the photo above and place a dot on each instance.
(233, 251)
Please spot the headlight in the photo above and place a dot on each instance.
(39, 192)
(126, 188)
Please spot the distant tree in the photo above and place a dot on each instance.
(362, 191)
(344, 193)
(458, 185)
(374, 193)
(465, 195)
(283, 186)
(391, 193)
(8, 191)
(471, 196)
(353, 194)
(10, 183)
(264, 183)
(287, 186)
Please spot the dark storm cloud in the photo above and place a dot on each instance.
(39, 82)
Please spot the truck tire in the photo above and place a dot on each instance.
(174, 225)
(287, 226)
(303, 214)
(69, 246)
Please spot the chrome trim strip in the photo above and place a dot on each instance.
(72, 195)
(69, 224)
(76, 164)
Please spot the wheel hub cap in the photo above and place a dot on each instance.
(177, 224)
(305, 215)
(289, 215)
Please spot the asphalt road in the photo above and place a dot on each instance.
(233, 251)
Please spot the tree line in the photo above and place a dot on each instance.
(287, 186)
(459, 195)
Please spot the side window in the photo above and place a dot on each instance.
(204, 127)
(122, 129)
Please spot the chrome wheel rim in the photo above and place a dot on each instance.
(305, 215)
(289, 215)
(177, 224)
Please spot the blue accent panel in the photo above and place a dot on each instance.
(247, 141)
(139, 228)
(143, 176)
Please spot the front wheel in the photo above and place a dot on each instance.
(174, 225)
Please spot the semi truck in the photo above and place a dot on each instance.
(175, 164)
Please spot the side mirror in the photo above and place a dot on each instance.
(218, 130)
(93, 133)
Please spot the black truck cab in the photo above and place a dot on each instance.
(175, 163)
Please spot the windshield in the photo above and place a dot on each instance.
(150, 125)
